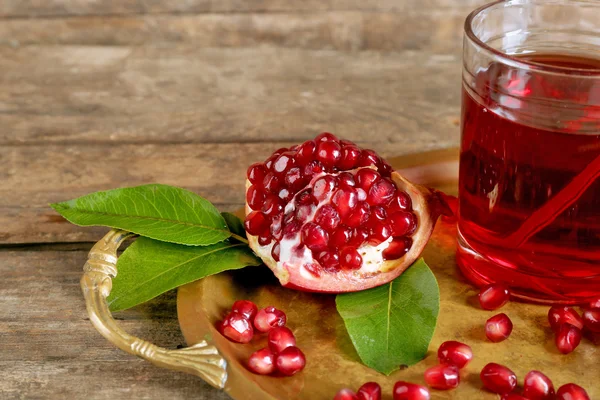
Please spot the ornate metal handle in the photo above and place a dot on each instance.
(200, 359)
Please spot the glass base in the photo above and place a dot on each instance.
(481, 270)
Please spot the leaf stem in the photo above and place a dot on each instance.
(239, 238)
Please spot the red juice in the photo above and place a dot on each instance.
(529, 185)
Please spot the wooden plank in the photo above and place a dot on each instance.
(50, 350)
(56, 8)
(91, 94)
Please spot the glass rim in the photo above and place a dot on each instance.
(517, 61)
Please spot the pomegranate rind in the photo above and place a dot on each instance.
(425, 207)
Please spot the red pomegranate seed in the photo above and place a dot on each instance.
(314, 237)
(359, 216)
(359, 236)
(329, 260)
(571, 391)
(285, 195)
(512, 396)
(329, 153)
(326, 137)
(272, 205)
(255, 197)
(591, 319)
(275, 227)
(498, 328)
(403, 223)
(256, 173)
(340, 237)
(362, 195)
(350, 156)
(262, 362)
(379, 213)
(498, 379)
(294, 179)
(538, 386)
(442, 377)
(400, 202)
(275, 251)
(410, 391)
(559, 315)
(290, 361)
(245, 307)
(368, 158)
(379, 231)
(305, 152)
(350, 259)
(595, 303)
(494, 296)
(397, 248)
(312, 168)
(291, 229)
(366, 177)
(264, 239)
(381, 192)
(283, 163)
(303, 211)
(567, 338)
(281, 338)
(346, 179)
(345, 394)
(455, 353)
(237, 327)
(256, 223)
(345, 201)
(324, 186)
(269, 318)
(369, 391)
(327, 217)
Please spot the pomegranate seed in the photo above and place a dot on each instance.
(305, 197)
(294, 179)
(350, 156)
(571, 391)
(328, 217)
(271, 183)
(403, 223)
(400, 202)
(369, 391)
(345, 201)
(290, 230)
(346, 179)
(275, 251)
(312, 168)
(255, 197)
(559, 315)
(362, 195)
(326, 137)
(591, 319)
(262, 362)
(567, 338)
(329, 153)
(272, 205)
(269, 318)
(397, 248)
(379, 231)
(304, 211)
(385, 168)
(538, 386)
(290, 361)
(513, 396)
(285, 195)
(340, 237)
(498, 379)
(314, 237)
(275, 227)
(256, 223)
(281, 338)
(410, 391)
(366, 177)
(313, 269)
(359, 236)
(350, 259)
(329, 260)
(237, 328)
(283, 163)
(323, 186)
(494, 296)
(595, 303)
(455, 353)
(381, 192)
(359, 216)
(442, 377)
(379, 213)
(245, 307)
(498, 328)
(256, 173)
(368, 158)
(345, 394)
(264, 239)
(305, 152)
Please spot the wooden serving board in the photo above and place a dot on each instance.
(332, 362)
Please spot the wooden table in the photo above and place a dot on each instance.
(100, 94)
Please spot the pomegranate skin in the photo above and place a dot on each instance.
(455, 353)
(410, 391)
(538, 386)
(571, 391)
(494, 296)
(498, 379)
(369, 391)
(290, 361)
(442, 377)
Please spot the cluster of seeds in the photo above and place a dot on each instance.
(321, 192)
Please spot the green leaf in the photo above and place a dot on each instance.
(149, 268)
(234, 223)
(160, 212)
(392, 325)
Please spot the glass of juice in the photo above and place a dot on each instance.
(529, 185)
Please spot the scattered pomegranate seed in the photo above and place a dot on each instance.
(237, 328)
(498, 328)
(595, 303)
(269, 318)
(559, 315)
(290, 361)
(442, 377)
(369, 391)
(410, 391)
(281, 338)
(591, 319)
(245, 307)
(262, 362)
(345, 394)
(455, 353)
(571, 391)
(513, 396)
(494, 296)
(567, 338)
(538, 386)
(498, 379)
(350, 259)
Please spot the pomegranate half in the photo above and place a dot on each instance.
(327, 216)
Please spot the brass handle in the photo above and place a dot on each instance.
(201, 359)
